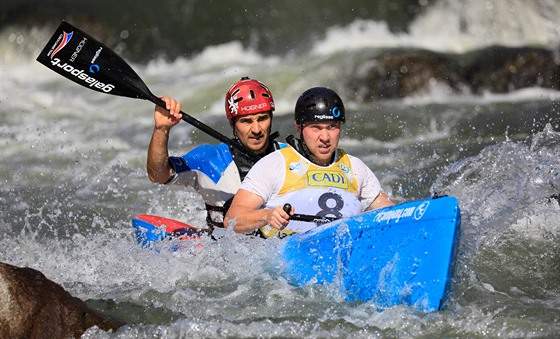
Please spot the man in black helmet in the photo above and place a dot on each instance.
(312, 175)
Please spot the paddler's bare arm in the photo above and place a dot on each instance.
(246, 215)
(159, 170)
(382, 200)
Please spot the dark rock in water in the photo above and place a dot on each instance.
(400, 73)
(502, 70)
(31, 306)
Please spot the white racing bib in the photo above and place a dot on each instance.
(322, 191)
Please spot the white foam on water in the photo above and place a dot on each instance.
(456, 27)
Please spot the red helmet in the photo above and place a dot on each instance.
(248, 96)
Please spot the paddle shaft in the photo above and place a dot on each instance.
(203, 127)
(305, 217)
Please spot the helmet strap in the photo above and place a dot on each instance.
(300, 147)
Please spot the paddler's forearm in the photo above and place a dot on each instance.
(382, 200)
(245, 214)
(248, 221)
(159, 170)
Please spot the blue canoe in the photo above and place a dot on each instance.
(401, 254)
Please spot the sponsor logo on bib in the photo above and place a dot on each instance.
(327, 179)
(295, 167)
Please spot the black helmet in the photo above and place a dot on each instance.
(319, 104)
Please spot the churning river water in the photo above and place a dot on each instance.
(73, 175)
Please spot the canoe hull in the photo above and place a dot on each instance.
(403, 254)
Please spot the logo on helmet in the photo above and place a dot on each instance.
(254, 107)
(322, 117)
(233, 106)
(335, 111)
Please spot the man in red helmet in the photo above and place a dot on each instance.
(216, 171)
